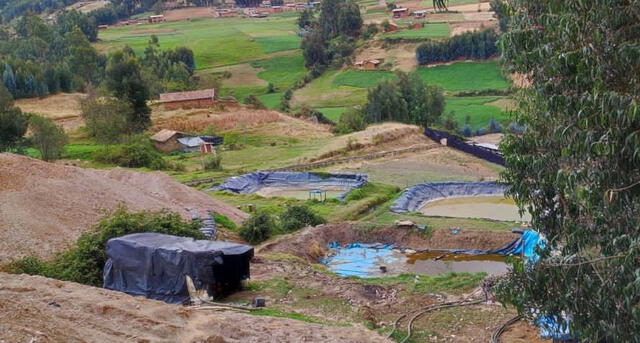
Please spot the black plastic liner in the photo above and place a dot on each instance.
(414, 198)
(456, 142)
(155, 265)
(252, 182)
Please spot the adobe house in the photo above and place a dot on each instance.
(167, 140)
(191, 99)
(156, 18)
(420, 14)
(372, 64)
(400, 12)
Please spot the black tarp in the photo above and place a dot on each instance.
(456, 142)
(155, 265)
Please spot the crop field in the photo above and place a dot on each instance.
(465, 76)
(214, 42)
(428, 31)
(479, 109)
(332, 113)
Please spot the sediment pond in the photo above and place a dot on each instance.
(490, 207)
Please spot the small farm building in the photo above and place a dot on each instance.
(156, 18)
(372, 64)
(169, 140)
(191, 99)
(400, 12)
(420, 14)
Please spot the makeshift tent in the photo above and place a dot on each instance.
(156, 265)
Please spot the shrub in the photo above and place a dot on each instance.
(47, 137)
(136, 153)
(85, 262)
(107, 119)
(480, 131)
(212, 162)
(350, 121)
(254, 102)
(296, 217)
(466, 130)
(258, 228)
(271, 88)
(494, 126)
(450, 123)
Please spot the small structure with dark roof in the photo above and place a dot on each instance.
(170, 140)
(191, 99)
(400, 12)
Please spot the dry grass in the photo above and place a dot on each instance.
(402, 56)
(188, 13)
(58, 106)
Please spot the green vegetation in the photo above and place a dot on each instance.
(47, 137)
(282, 71)
(137, 152)
(220, 41)
(362, 79)
(84, 263)
(478, 109)
(582, 143)
(13, 123)
(262, 225)
(456, 283)
(462, 76)
(428, 31)
(332, 113)
(469, 45)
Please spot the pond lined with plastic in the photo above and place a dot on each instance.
(491, 207)
(374, 260)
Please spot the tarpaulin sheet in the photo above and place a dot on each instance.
(359, 259)
(252, 182)
(456, 142)
(155, 265)
(414, 198)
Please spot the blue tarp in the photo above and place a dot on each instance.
(252, 182)
(414, 198)
(358, 259)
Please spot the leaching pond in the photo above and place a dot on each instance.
(371, 260)
(491, 207)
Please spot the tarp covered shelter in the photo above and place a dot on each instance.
(156, 265)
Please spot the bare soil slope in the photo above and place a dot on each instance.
(37, 309)
(44, 206)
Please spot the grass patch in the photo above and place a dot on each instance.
(452, 283)
(278, 43)
(332, 113)
(439, 30)
(271, 101)
(465, 76)
(362, 79)
(478, 109)
(282, 71)
(274, 312)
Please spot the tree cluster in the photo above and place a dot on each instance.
(407, 100)
(576, 165)
(329, 38)
(262, 225)
(470, 45)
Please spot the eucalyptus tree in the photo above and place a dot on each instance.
(576, 166)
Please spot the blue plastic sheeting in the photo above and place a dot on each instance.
(252, 182)
(414, 198)
(456, 142)
(360, 260)
(155, 265)
(550, 328)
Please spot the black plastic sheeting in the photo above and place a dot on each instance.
(252, 182)
(456, 142)
(155, 265)
(414, 198)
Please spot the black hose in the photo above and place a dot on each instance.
(495, 338)
(443, 306)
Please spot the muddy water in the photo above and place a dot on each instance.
(366, 262)
(491, 207)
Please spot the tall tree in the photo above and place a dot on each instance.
(13, 124)
(47, 137)
(576, 167)
(123, 78)
(82, 56)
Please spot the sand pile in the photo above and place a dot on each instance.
(45, 206)
(37, 309)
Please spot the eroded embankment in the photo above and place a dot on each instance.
(311, 243)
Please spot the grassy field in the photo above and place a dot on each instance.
(428, 31)
(282, 71)
(332, 113)
(213, 41)
(479, 109)
(465, 76)
(362, 79)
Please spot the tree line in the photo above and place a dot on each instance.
(470, 45)
(329, 36)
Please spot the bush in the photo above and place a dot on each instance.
(212, 162)
(350, 121)
(47, 137)
(480, 131)
(85, 262)
(258, 228)
(106, 119)
(296, 217)
(494, 126)
(136, 153)
(450, 123)
(466, 130)
(254, 102)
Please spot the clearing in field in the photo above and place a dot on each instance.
(428, 31)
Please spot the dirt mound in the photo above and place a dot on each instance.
(44, 206)
(37, 309)
(271, 122)
(306, 243)
(375, 138)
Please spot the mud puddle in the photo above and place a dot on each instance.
(371, 260)
(491, 207)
